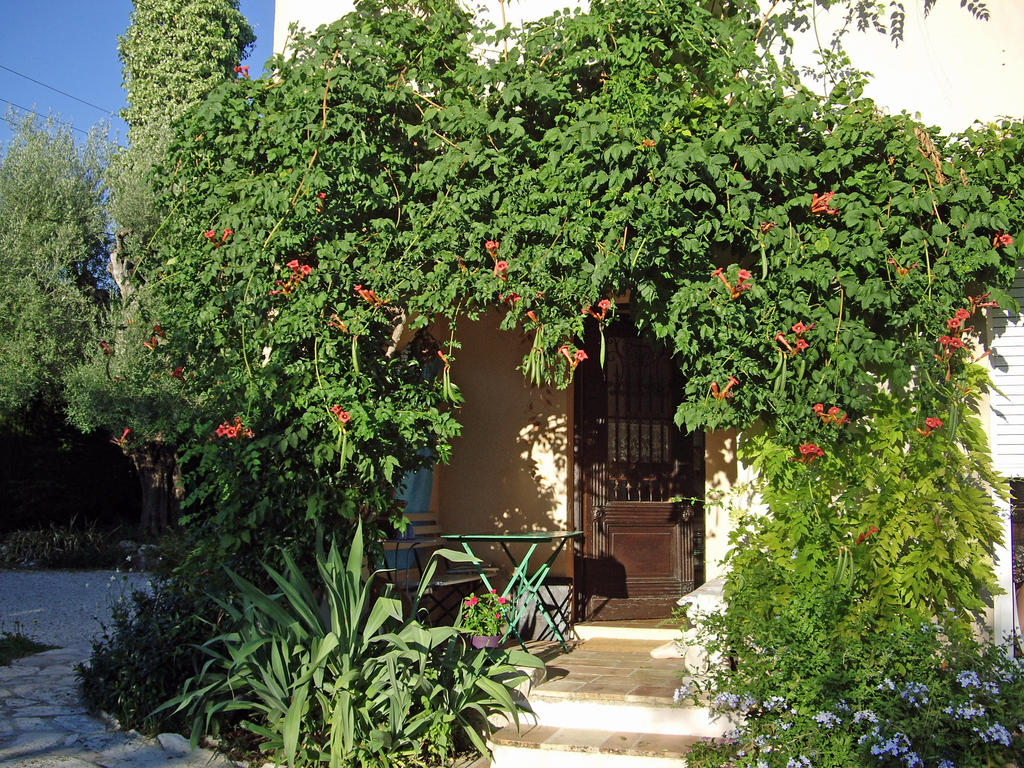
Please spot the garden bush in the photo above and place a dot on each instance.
(807, 687)
(325, 672)
(72, 544)
(145, 654)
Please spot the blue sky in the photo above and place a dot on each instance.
(71, 45)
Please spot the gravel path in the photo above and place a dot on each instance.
(62, 608)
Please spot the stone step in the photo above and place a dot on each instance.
(653, 630)
(630, 714)
(542, 746)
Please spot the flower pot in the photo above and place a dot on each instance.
(485, 641)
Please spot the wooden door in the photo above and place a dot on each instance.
(642, 550)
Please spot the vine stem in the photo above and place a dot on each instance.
(764, 21)
(312, 160)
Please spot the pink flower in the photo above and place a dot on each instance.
(800, 328)
(472, 600)
(819, 408)
(864, 536)
(210, 235)
(293, 264)
(232, 431)
(574, 358)
(492, 246)
(953, 323)
(962, 314)
(604, 304)
(500, 268)
(343, 416)
(367, 295)
(801, 345)
(808, 453)
(1001, 238)
(820, 203)
(742, 276)
(119, 442)
(978, 302)
(725, 393)
(243, 71)
(932, 422)
(781, 338)
(106, 348)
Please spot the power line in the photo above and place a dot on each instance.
(57, 90)
(40, 114)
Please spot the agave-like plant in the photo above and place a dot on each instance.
(332, 674)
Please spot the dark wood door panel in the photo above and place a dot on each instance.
(630, 462)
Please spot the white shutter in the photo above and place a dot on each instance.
(1008, 376)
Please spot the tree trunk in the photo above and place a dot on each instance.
(157, 466)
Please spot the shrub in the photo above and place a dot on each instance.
(62, 545)
(805, 689)
(15, 644)
(147, 652)
(326, 673)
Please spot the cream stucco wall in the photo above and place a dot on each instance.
(950, 68)
(511, 466)
(720, 476)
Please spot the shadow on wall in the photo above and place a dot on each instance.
(509, 468)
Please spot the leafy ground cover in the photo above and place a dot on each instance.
(15, 645)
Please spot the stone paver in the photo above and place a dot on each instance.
(44, 723)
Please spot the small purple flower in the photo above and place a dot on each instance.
(774, 702)
(965, 711)
(898, 744)
(726, 701)
(915, 694)
(996, 734)
(865, 716)
(827, 720)
(969, 679)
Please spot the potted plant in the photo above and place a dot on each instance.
(484, 617)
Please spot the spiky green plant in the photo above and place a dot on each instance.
(329, 673)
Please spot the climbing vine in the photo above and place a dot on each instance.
(390, 179)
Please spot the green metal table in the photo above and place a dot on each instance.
(523, 583)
